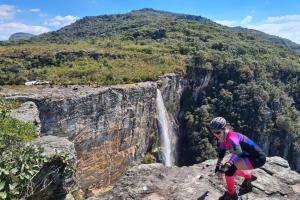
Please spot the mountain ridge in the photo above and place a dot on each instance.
(94, 22)
(107, 22)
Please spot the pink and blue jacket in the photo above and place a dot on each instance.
(239, 145)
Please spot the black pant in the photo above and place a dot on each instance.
(256, 162)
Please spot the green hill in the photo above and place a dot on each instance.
(122, 24)
(139, 46)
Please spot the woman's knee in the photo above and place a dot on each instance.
(259, 162)
(262, 160)
(231, 171)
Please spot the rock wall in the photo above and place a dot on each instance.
(281, 145)
(110, 129)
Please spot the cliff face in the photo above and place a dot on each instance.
(111, 127)
(281, 145)
(275, 180)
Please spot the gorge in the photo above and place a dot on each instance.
(114, 127)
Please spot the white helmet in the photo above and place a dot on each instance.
(217, 123)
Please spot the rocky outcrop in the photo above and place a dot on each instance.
(28, 112)
(275, 181)
(197, 80)
(57, 178)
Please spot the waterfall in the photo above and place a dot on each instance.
(167, 134)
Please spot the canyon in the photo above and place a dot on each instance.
(113, 127)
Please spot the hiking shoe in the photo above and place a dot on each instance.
(247, 185)
(227, 196)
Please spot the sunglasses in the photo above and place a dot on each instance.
(217, 132)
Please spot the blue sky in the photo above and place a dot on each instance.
(275, 17)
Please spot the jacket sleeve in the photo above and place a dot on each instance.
(237, 153)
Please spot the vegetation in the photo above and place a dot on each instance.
(19, 162)
(148, 159)
(257, 78)
(137, 46)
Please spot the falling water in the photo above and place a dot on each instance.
(167, 135)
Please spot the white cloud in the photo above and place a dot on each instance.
(8, 24)
(7, 11)
(34, 10)
(246, 20)
(283, 18)
(7, 29)
(230, 23)
(287, 26)
(59, 21)
(43, 15)
(289, 30)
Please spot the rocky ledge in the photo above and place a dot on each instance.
(275, 181)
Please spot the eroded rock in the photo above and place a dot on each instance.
(156, 181)
(57, 178)
(28, 112)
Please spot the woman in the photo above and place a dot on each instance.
(245, 155)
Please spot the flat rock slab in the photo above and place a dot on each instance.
(157, 182)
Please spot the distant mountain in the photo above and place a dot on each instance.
(136, 21)
(274, 39)
(108, 25)
(20, 36)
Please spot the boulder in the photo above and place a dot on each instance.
(28, 112)
(57, 178)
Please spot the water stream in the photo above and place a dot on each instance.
(166, 132)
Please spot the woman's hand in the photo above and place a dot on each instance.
(217, 171)
(219, 174)
(224, 168)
